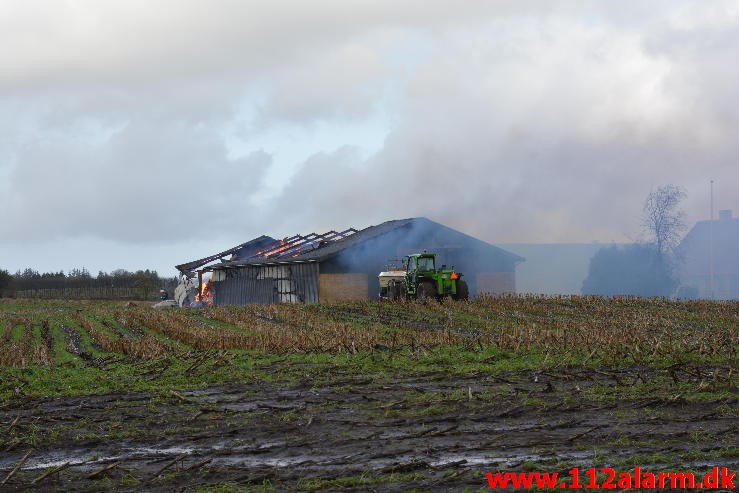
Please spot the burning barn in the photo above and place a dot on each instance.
(339, 265)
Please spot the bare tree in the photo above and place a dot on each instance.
(643, 269)
(662, 220)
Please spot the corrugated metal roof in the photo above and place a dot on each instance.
(195, 264)
(331, 248)
(298, 245)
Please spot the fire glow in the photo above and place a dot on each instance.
(256, 251)
(280, 247)
(205, 296)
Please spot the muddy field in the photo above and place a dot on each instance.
(397, 398)
(425, 432)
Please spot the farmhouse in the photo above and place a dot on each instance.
(344, 265)
(711, 242)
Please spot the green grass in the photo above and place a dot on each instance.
(72, 377)
(362, 480)
(17, 332)
(98, 324)
(232, 487)
(59, 348)
(87, 342)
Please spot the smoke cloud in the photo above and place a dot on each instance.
(514, 121)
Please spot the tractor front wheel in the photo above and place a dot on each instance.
(396, 290)
(425, 291)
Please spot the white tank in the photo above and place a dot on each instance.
(390, 275)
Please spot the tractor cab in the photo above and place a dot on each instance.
(427, 262)
(419, 267)
(421, 262)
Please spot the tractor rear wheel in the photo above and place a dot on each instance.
(463, 291)
(425, 291)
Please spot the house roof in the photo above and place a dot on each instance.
(316, 248)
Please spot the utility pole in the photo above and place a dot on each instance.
(710, 247)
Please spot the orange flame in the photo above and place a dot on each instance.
(283, 245)
(206, 294)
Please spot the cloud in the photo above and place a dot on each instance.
(511, 120)
(147, 182)
(547, 131)
(137, 41)
(343, 83)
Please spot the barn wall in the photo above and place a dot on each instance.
(496, 282)
(466, 254)
(263, 284)
(350, 286)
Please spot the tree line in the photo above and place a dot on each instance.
(78, 283)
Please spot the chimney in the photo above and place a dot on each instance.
(724, 215)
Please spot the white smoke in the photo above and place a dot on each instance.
(513, 121)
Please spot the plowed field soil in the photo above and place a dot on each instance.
(423, 432)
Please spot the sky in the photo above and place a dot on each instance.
(138, 134)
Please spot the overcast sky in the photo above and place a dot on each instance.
(140, 134)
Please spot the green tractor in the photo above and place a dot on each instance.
(420, 280)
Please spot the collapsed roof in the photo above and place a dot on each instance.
(266, 248)
(312, 247)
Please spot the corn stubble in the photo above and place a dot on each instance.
(574, 329)
(144, 347)
(296, 328)
(579, 326)
(614, 328)
(24, 351)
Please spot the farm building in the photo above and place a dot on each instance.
(708, 241)
(344, 265)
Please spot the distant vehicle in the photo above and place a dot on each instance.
(421, 280)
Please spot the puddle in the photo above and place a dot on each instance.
(258, 462)
(31, 466)
(246, 456)
(161, 451)
(77, 457)
(507, 461)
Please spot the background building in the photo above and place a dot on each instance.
(553, 268)
(695, 254)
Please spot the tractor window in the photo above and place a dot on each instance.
(426, 263)
(411, 264)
